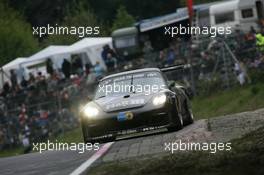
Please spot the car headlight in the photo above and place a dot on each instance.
(159, 100)
(90, 111)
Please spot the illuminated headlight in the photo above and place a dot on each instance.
(159, 100)
(90, 111)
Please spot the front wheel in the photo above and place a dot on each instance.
(177, 123)
(188, 115)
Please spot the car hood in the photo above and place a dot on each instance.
(115, 103)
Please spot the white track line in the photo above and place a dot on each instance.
(92, 159)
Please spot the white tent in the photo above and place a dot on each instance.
(13, 65)
(93, 48)
(89, 48)
(36, 62)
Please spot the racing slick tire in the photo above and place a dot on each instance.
(177, 123)
(188, 114)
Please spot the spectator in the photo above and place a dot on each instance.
(147, 49)
(24, 83)
(41, 82)
(87, 69)
(170, 57)
(25, 139)
(6, 89)
(40, 77)
(260, 41)
(162, 56)
(66, 68)
(105, 54)
(112, 62)
(77, 66)
(98, 70)
(49, 66)
(23, 115)
(13, 78)
(31, 79)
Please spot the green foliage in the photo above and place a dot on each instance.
(106, 9)
(78, 16)
(17, 17)
(123, 19)
(16, 38)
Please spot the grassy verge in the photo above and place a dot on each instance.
(74, 136)
(11, 152)
(236, 100)
(246, 157)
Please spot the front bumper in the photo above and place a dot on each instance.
(142, 118)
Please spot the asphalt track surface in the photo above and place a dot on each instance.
(66, 162)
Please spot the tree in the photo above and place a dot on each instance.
(78, 16)
(123, 19)
(16, 39)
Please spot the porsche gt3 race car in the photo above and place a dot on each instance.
(135, 100)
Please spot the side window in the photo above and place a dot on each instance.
(247, 13)
(224, 17)
(125, 42)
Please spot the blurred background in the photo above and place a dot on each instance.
(45, 81)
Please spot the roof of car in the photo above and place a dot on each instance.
(131, 72)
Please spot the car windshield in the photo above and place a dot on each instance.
(146, 82)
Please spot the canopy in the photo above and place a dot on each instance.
(13, 65)
(90, 47)
(153, 23)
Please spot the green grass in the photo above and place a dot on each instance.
(246, 157)
(74, 136)
(11, 152)
(236, 100)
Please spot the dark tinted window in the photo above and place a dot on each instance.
(247, 13)
(224, 18)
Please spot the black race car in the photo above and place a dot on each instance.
(135, 100)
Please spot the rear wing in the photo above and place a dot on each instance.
(176, 67)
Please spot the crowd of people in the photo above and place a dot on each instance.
(35, 108)
(207, 57)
